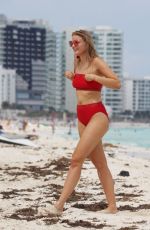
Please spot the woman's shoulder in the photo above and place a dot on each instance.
(99, 62)
(97, 59)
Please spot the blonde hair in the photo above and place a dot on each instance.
(87, 38)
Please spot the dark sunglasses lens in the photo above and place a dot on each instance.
(75, 43)
(70, 43)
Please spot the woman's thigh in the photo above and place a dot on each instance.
(90, 136)
(81, 128)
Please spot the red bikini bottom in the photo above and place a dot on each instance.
(86, 111)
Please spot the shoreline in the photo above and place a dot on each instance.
(125, 124)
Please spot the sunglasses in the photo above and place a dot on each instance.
(75, 43)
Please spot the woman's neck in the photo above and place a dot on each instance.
(84, 58)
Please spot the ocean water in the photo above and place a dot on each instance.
(131, 135)
(135, 137)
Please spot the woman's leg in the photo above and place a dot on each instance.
(93, 132)
(99, 160)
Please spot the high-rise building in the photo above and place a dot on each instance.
(60, 70)
(127, 94)
(29, 47)
(70, 98)
(137, 94)
(7, 86)
(56, 86)
(109, 46)
(3, 21)
(141, 94)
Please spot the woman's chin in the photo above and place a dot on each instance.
(77, 53)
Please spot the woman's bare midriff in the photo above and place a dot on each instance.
(87, 97)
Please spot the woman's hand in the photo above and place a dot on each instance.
(69, 75)
(89, 77)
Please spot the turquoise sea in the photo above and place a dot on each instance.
(134, 136)
(131, 135)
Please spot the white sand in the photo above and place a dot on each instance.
(21, 187)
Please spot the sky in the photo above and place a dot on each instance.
(132, 17)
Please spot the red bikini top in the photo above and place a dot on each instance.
(79, 82)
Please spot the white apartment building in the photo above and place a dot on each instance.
(137, 94)
(7, 86)
(109, 46)
(56, 81)
(70, 98)
(128, 94)
(60, 69)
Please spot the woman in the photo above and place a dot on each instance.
(90, 74)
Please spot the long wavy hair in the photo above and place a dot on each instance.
(87, 38)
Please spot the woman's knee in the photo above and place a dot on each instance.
(76, 162)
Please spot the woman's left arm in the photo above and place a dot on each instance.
(108, 78)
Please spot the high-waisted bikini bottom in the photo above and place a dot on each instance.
(86, 111)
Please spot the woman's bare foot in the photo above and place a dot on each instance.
(110, 210)
(49, 210)
(59, 206)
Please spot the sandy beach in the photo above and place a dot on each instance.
(33, 177)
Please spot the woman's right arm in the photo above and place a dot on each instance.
(69, 75)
